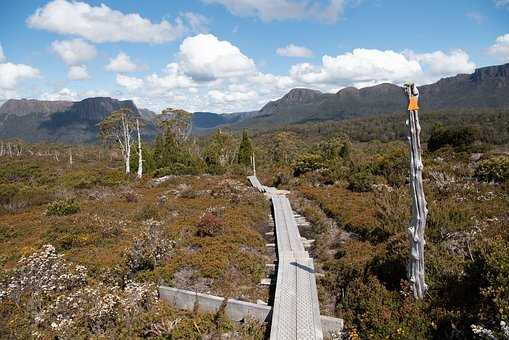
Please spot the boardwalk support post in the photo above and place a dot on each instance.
(416, 270)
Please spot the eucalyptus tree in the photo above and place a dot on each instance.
(118, 127)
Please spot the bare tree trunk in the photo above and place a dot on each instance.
(9, 149)
(70, 158)
(416, 270)
(140, 156)
(253, 161)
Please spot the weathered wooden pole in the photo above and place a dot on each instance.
(416, 270)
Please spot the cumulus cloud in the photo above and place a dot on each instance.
(11, 74)
(101, 24)
(209, 74)
(439, 64)
(360, 65)
(78, 72)
(294, 51)
(2, 56)
(171, 78)
(270, 10)
(130, 83)
(122, 63)
(205, 58)
(74, 52)
(501, 47)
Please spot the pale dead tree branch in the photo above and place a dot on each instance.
(117, 127)
(416, 269)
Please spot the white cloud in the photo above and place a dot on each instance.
(101, 24)
(63, 94)
(501, 3)
(2, 56)
(172, 78)
(360, 65)
(197, 23)
(122, 63)
(438, 64)
(269, 10)
(130, 83)
(11, 74)
(205, 58)
(232, 96)
(74, 52)
(501, 47)
(78, 72)
(294, 51)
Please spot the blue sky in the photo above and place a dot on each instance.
(235, 55)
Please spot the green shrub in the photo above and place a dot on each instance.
(306, 163)
(63, 207)
(453, 136)
(494, 169)
(361, 181)
(18, 172)
(112, 179)
(7, 192)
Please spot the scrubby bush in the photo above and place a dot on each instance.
(494, 169)
(453, 136)
(150, 248)
(306, 163)
(210, 225)
(147, 212)
(361, 181)
(63, 207)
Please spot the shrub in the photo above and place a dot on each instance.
(7, 192)
(494, 169)
(306, 163)
(149, 248)
(63, 207)
(112, 179)
(361, 181)
(210, 225)
(453, 136)
(147, 212)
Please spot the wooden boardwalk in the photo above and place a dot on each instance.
(296, 311)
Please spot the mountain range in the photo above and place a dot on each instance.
(76, 122)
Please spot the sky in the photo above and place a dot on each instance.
(236, 55)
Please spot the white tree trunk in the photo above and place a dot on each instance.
(253, 161)
(140, 156)
(416, 270)
(70, 158)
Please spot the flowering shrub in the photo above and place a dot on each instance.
(149, 248)
(41, 274)
(96, 308)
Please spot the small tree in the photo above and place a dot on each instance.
(118, 127)
(178, 122)
(245, 153)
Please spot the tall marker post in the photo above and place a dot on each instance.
(415, 269)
